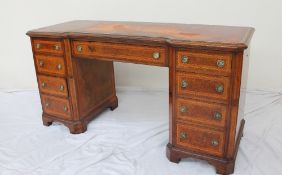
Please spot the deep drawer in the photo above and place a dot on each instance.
(55, 106)
(200, 139)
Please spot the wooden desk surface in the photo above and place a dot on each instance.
(178, 34)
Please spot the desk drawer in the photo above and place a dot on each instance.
(121, 52)
(200, 139)
(201, 112)
(48, 46)
(205, 62)
(58, 107)
(202, 86)
(50, 64)
(53, 85)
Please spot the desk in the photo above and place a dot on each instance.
(207, 70)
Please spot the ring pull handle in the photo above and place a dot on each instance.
(41, 63)
(79, 48)
(59, 66)
(214, 142)
(184, 83)
(217, 116)
(220, 63)
(62, 87)
(219, 88)
(57, 47)
(183, 135)
(37, 46)
(183, 109)
(156, 55)
(184, 59)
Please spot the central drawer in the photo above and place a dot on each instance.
(55, 106)
(152, 55)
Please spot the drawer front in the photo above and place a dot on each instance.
(48, 46)
(201, 112)
(202, 86)
(55, 106)
(50, 64)
(121, 52)
(53, 85)
(200, 140)
(205, 62)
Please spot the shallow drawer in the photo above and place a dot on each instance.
(202, 86)
(53, 85)
(48, 46)
(200, 139)
(121, 52)
(58, 107)
(204, 62)
(201, 112)
(50, 64)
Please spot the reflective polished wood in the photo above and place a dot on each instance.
(207, 69)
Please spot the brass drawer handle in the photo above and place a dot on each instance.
(219, 88)
(79, 48)
(59, 66)
(183, 109)
(43, 84)
(156, 55)
(41, 63)
(214, 142)
(47, 104)
(62, 87)
(57, 47)
(65, 108)
(183, 135)
(184, 83)
(217, 116)
(220, 63)
(184, 59)
(37, 46)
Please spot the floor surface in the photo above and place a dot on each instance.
(128, 141)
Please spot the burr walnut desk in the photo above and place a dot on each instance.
(207, 68)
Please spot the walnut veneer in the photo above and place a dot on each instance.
(207, 70)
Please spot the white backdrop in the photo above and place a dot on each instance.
(17, 17)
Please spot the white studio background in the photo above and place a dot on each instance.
(17, 17)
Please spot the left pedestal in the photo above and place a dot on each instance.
(72, 90)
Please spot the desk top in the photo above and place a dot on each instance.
(178, 34)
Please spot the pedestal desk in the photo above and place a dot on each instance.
(207, 70)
